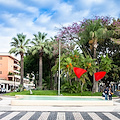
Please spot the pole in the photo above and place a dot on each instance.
(59, 70)
(14, 82)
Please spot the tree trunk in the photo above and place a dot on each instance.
(51, 77)
(22, 69)
(82, 87)
(40, 71)
(67, 77)
(70, 80)
(95, 83)
(56, 76)
(55, 81)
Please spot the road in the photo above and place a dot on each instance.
(51, 115)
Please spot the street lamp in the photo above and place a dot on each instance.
(59, 69)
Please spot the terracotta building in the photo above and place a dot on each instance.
(10, 72)
(9, 67)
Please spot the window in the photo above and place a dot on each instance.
(0, 72)
(0, 58)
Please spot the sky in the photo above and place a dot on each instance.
(31, 16)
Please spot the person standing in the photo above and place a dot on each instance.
(106, 93)
(110, 94)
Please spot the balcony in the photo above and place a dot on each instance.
(16, 71)
(17, 76)
(17, 65)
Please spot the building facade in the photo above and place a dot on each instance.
(10, 72)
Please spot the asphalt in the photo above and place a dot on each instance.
(5, 105)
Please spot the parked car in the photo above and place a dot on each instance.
(2, 90)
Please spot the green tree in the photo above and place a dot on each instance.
(105, 64)
(116, 33)
(87, 34)
(39, 46)
(95, 30)
(86, 63)
(111, 69)
(20, 45)
(75, 59)
(49, 56)
(31, 66)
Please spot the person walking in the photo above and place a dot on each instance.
(106, 93)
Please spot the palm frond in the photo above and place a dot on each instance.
(13, 50)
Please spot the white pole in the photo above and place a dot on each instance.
(59, 70)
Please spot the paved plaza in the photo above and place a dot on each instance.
(8, 112)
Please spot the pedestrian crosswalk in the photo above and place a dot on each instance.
(39, 115)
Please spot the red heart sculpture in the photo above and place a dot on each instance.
(79, 71)
(99, 75)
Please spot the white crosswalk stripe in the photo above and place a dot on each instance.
(77, 116)
(1, 113)
(27, 116)
(44, 116)
(61, 116)
(112, 117)
(11, 115)
(94, 116)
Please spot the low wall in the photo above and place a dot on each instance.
(18, 102)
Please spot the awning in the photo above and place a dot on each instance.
(14, 83)
(9, 82)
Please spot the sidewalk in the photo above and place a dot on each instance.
(5, 105)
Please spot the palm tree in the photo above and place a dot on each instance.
(39, 47)
(20, 45)
(96, 36)
(50, 57)
(94, 31)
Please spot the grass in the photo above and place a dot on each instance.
(35, 92)
(54, 93)
(85, 93)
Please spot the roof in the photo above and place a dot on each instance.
(9, 55)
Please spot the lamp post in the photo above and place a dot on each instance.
(59, 69)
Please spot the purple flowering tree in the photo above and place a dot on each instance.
(116, 27)
(88, 31)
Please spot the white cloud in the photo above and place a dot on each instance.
(63, 8)
(111, 9)
(90, 2)
(6, 31)
(43, 18)
(67, 13)
(19, 5)
(5, 43)
(32, 9)
(46, 3)
(13, 3)
(60, 13)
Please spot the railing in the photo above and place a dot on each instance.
(16, 65)
(16, 71)
(117, 93)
